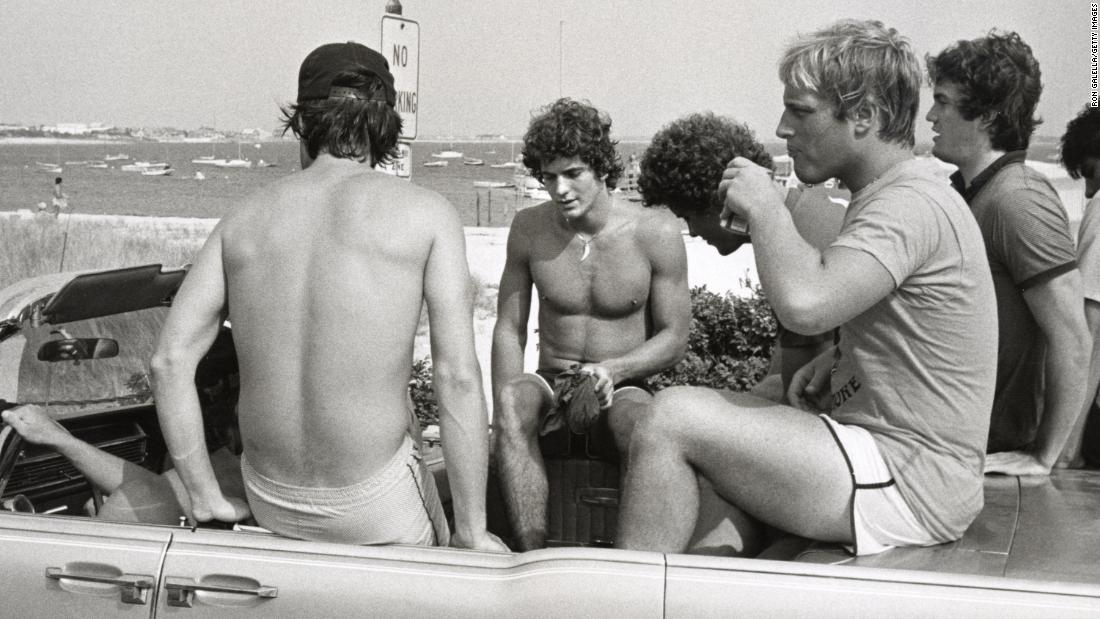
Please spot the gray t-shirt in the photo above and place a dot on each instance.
(1027, 242)
(917, 369)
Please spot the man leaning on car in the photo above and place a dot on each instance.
(325, 302)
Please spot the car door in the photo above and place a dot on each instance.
(72, 567)
(232, 574)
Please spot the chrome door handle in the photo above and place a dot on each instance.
(133, 587)
(181, 591)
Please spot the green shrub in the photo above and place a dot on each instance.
(423, 397)
(730, 342)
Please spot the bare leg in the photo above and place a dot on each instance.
(776, 463)
(628, 408)
(521, 469)
(722, 529)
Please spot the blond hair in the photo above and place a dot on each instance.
(855, 64)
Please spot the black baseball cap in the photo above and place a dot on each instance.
(324, 63)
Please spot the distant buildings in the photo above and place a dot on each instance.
(77, 128)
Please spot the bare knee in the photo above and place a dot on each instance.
(668, 418)
(518, 406)
(630, 407)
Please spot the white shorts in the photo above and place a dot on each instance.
(881, 519)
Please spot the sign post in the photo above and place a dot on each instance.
(401, 47)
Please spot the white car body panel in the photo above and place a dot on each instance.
(31, 544)
(711, 587)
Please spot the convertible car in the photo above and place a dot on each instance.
(80, 344)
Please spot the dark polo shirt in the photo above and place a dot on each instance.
(1028, 242)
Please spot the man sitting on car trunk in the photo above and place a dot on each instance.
(882, 444)
(324, 273)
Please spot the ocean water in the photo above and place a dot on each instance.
(23, 184)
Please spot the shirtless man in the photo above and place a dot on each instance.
(612, 283)
(884, 440)
(325, 299)
(680, 168)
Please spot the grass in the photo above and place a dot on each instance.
(43, 245)
(34, 246)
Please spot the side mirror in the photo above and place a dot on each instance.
(77, 349)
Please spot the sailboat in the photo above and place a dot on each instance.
(50, 167)
(209, 159)
(513, 163)
(239, 162)
(450, 153)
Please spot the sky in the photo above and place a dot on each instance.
(484, 65)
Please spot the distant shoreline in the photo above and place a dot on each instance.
(22, 141)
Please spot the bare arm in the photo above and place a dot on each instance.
(105, 471)
(513, 310)
(463, 419)
(669, 309)
(810, 291)
(1056, 304)
(192, 324)
(1071, 453)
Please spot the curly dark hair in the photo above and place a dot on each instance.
(348, 128)
(1081, 141)
(569, 128)
(683, 164)
(999, 80)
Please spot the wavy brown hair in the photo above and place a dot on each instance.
(998, 80)
(345, 127)
(569, 128)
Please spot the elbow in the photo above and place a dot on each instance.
(167, 363)
(678, 351)
(803, 315)
(460, 379)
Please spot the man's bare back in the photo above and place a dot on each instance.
(323, 275)
(324, 358)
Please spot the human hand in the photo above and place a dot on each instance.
(221, 507)
(745, 189)
(34, 424)
(605, 383)
(810, 388)
(483, 541)
(1015, 463)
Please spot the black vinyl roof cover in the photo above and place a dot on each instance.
(106, 293)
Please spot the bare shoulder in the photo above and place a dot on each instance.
(528, 222)
(654, 225)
